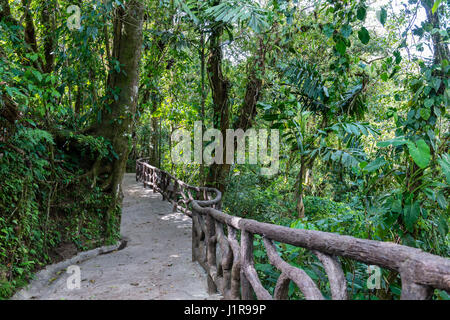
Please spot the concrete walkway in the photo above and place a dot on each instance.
(155, 264)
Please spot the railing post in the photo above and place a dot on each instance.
(137, 171)
(225, 261)
(211, 253)
(412, 290)
(163, 185)
(153, 180)
(246, 250)
(194, 236)
(415, 291)
(174, 195)
(236, 268)
(144, 176)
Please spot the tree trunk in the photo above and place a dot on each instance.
(117, 120)
(299, 190)
(440, 48)
(220, 89)
(203, 95)
(48, 20)
(78, 100)
(253, 88)
(154, 141)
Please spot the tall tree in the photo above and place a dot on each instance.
(220, 87)
(117, 117)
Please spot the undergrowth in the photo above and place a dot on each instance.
(45, 201)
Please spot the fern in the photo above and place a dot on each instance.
(348, 158)
(353, 102)
(28, 138)
(356, 129)
(309, 84)
(233, 11)
(188, 8)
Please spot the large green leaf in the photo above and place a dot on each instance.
(382, 16)
(436, 6)
(442, 202)
(420, 152)
(443, 225)
(411, 215)
(425, 113)
(398, 141)
(361, 13)
(375, 165)
(444, 161)
(346, 31)
(364, 35)
(328, 30)
(341, 47)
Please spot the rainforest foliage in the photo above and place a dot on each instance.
(358, 89)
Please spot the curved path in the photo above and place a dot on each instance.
(155, 264)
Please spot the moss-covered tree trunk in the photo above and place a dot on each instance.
(117, 117)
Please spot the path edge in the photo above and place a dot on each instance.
(43, 277)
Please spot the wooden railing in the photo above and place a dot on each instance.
(233, 272)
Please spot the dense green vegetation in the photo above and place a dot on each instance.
(359, 90)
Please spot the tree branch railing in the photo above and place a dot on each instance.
(233, 273)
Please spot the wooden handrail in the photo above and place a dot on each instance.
(235, 276)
